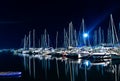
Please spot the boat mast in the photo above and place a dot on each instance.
(42, 39)
(33, 38)
(109, 40)
(45, 38)
(64, 38)
(89, 44)
(80, 35)
(56, 38)
(111, 23)
(102, 36)
(119, 31)
(83, 26)
(117, 40)
(114, 33)
(75, 39)
(99, 35)
(95, 37)
(67, 39)
(29, 39)
(25, 42)
(48, 40)
(39, 43)
(69, 34)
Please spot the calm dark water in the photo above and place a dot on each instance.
(39, 68)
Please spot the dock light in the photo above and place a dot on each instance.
(85, 35)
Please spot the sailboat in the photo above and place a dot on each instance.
(77, 52)
(107, 50)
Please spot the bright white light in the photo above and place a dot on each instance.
(86, 63)
(85, 35)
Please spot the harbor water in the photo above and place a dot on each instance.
(47, 68)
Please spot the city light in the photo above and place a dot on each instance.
(85, 35)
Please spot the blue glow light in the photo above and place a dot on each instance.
(87, 63)
(85, 35)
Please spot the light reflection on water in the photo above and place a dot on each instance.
(48, 68)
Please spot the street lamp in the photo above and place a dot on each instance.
(85, 35)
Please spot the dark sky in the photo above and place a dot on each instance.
(18, 17)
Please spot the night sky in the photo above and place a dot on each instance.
(18, 17)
